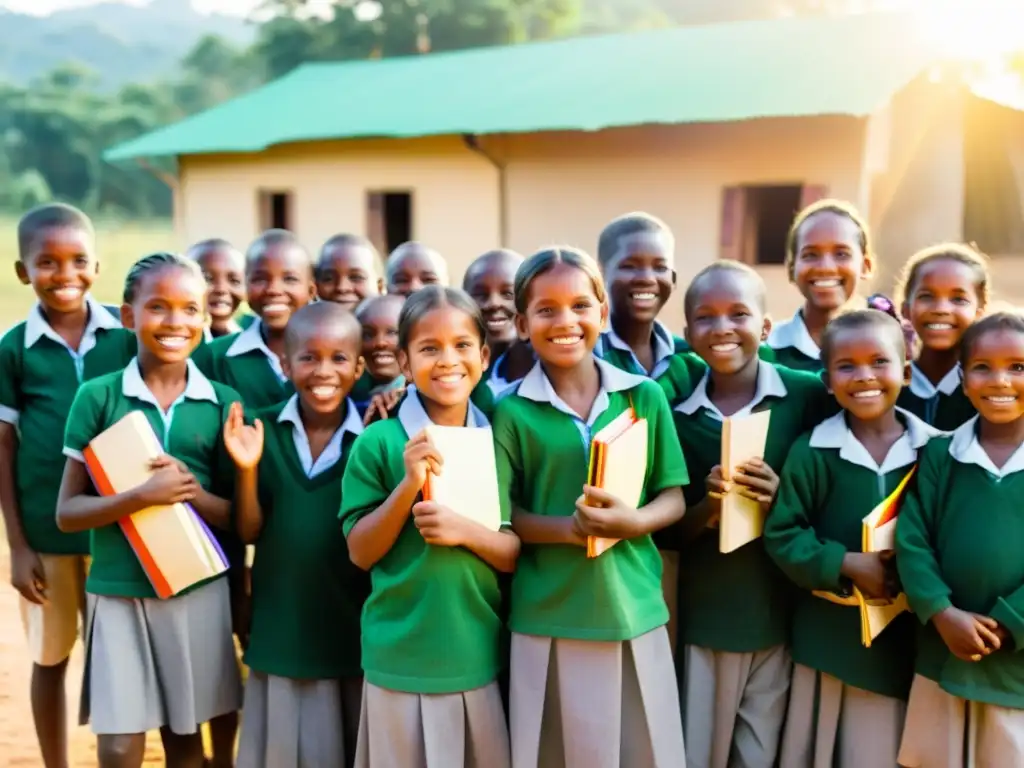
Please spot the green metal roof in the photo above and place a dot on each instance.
(791, 67)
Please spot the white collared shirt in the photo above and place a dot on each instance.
(414, 418)
(664, 348)
(251, 340)
(498, 384)
(836, 434)
(36, 327)
(793, 333)
(923, 388)
(769, 384)
(965, 448)
(537, 387)
(333, 451)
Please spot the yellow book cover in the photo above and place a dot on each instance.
(618, 465)
(742, 519)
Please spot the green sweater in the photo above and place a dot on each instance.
(959, 543)
(740, 601)
(945, 412)
(791, 357)
(823, 497)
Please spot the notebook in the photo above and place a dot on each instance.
(618, 465)
(468, 483)
(742, 519)
(174, 546)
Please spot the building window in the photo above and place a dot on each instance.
(276, 210)
(756, 220)
(389, 219)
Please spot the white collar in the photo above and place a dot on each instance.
(36, 325)
(251, 340)
(197, 386)
(923, 388)
(664, 344)
(536, 386)
(836, 434)
(793, 333)
(965, 448)
(414, 419)
(332, 452)
(769, 384)
(290, 413)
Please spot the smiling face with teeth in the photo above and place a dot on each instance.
(640, 277)
(167, 314)
(445, 357)
(994, 374)
(829, 260)
(379, 320)
(564, 317)
(279, 281)
(347, 274)
(725, 319)
(322, 358)
(866, 369)
(942, 302)
(224, 270)
(61, 266)
(490, 281)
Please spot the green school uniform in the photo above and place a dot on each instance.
(739, 602)
(959, 543)
(612, 349)
(39, 376)
(543, 451)
(793, 345)
(243, 362)
(191, 431)
(306, 593)
(944, 406)
(431, 622)
(828, 484)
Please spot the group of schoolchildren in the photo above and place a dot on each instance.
(383, 630)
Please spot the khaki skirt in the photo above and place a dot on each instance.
(944, 731)
(413, 730)
(587, 704)
(154, 663)
(734, 706)
(832, 725)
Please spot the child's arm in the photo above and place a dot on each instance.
(27, 575)
(1008, 613)
(79, 510)
(545, 529)
(373, 536)
(612, 519)
(440, 526)
(245, 446)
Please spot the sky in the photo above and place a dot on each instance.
(43, 7)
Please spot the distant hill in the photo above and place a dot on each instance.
(122, 43)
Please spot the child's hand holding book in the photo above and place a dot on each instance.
(969, 636)
(605, 516)
(439, 525)
(869, 572)
(170, 483)
(421, 457)
(756, 480)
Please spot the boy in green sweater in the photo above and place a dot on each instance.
(734, 608)
(847, 702)
(303, 653)
(958, 546)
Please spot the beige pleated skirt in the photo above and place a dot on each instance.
(290, 723)
(154, 663)
(944, 731)
(734, 706)
(586, 704)
(411, 730)
(832, 725)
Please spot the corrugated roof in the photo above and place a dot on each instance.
(792, 67)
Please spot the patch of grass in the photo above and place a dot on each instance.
(119, 245)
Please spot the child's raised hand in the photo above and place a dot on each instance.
(168, 484)
(439, 525)
(969, 636)
(757, 480)
(381, 405)
(598, 513)
(243, 442)
(868, 573)
(421, 457)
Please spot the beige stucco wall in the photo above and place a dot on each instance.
(562, 188)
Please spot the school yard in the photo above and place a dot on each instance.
(120, 244)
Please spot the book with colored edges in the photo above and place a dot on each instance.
(878, 534)
(468, 483)
(742, 519)
(174, 546)
(618, 465)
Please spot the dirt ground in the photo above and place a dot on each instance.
(18, 747)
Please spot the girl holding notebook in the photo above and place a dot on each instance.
(431, 626)
(152, 663)
(847, 701)
(591, 666)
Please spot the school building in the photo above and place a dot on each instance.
(722, 130)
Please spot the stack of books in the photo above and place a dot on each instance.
(618, 465)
